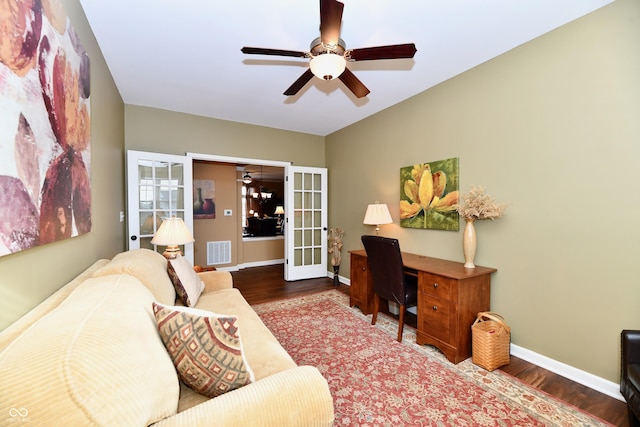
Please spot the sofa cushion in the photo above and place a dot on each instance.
(263, 352)
(96, 359)
(186, 282)
(147, 266)
(205, 347)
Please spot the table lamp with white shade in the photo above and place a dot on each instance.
(172, 233)
(377, 214)
(279, 212)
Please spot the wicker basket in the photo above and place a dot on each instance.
(490, 340)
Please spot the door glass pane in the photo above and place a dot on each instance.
(145, 243)
(149, 223)
(307, 201)
(179, 199)
(146, 196)
(177, 173)
(145, 170)
(161, 171)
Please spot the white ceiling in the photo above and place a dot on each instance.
(185, 55)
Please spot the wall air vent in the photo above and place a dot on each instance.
(219, 252)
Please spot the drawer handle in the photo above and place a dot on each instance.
(435, 285)
(435, 308)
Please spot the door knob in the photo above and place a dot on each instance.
(134, 238)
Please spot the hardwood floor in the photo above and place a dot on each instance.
(266, 284)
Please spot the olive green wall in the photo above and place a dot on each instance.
(552, 127)
(150, 129)
(28, 277)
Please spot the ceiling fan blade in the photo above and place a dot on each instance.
(299, 84)
(274, 52)
(384, 52)
(351, 81)
(330, 21)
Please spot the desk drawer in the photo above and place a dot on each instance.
(436, 286)
(433, 317)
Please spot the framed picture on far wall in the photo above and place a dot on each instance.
(204, 199)
(429, 195)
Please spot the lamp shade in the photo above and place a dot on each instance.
(327, 66)
(173, 231)
(279, 210)
(377, 214)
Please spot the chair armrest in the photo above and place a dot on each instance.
(216, 280)
(295, 397)
(630, 348)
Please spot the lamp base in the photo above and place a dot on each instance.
(172, 252)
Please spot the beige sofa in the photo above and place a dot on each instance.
(91, 355)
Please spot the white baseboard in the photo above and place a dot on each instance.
(251, 264)
(582, 377)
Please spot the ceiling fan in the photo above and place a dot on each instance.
(328, 54)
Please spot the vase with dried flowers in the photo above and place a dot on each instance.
(335, 248)
(476, 205)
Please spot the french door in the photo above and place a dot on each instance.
(159, 186)
(306, 223)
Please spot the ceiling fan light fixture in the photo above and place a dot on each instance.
(247, 178)
(327, 66)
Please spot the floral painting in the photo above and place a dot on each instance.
(429, 195)
(45, 127)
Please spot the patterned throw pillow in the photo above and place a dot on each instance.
(185, 280)
(205, 348)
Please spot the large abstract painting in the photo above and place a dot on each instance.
(429, 195)
(45, 127)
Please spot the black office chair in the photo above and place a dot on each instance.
(630, 374)
(389, 279)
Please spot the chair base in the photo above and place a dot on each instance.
(374, 318)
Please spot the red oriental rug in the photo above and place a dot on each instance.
(377, 381)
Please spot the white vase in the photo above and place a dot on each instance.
(469, 243)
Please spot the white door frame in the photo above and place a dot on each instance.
(306, 227)
(133, 195)
(241, 160)
(288, 166)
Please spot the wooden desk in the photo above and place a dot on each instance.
(449, 299)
